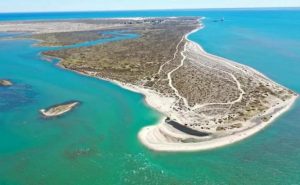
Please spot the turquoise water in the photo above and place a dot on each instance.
(97, 142)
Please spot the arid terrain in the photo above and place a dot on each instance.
(207, 101)
(66, 38)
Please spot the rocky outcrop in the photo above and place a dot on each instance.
(5, 83)
(60, 109)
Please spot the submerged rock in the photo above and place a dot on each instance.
(5, 83)
(60, 109)
(16, 96)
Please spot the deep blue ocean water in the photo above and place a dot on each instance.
(97, 143)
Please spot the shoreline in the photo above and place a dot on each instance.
(160, 103)
(215, 142)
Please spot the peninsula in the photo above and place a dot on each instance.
(206, 101)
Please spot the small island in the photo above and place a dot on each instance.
(60, 109)
(5, 83)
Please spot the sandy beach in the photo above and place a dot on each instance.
(211, 143)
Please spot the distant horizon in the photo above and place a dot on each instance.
(31, 6)
(177, 9)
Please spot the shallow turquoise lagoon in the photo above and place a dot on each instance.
(97, 142)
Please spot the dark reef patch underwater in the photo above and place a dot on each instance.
(17, 95)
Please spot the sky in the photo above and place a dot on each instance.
(94, 5)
